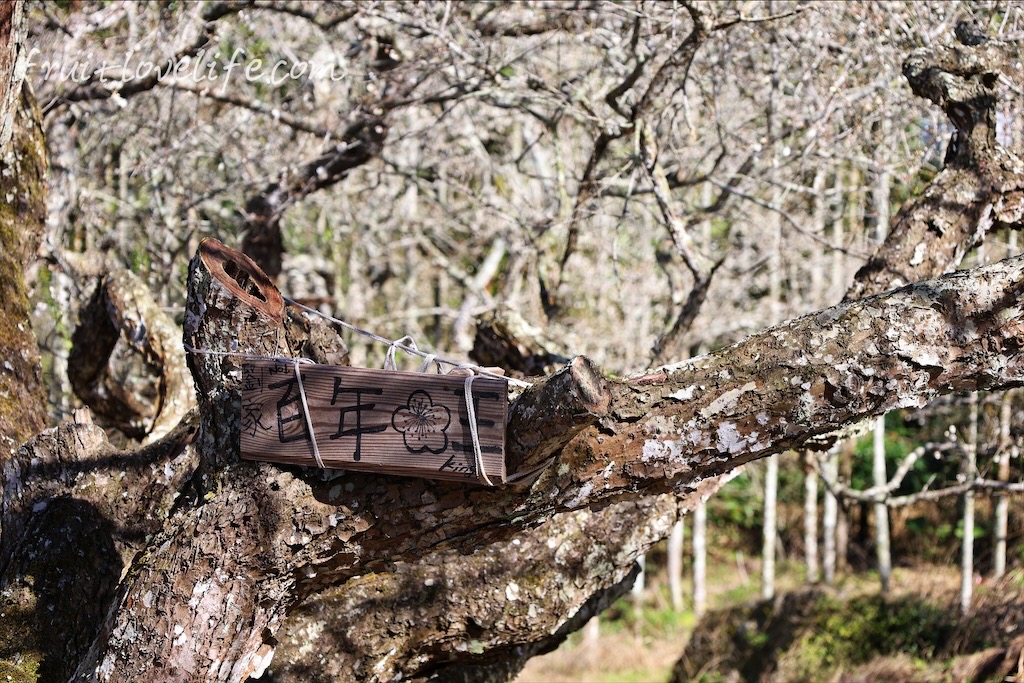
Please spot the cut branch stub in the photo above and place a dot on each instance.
(548, 415)
(242, 277)
(506, 340)
(232, 310)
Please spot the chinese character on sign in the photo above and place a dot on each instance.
(252, 414)
(252, 379)
(481, 422)
(358, 409)
(289, 409)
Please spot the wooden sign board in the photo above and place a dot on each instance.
(406, 423)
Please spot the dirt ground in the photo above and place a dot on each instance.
(616, 657)
(632, 647)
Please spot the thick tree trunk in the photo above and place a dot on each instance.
(208, 596)
(448, 613)
(23, 170)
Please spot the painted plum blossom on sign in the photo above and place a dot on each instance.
(423, 425)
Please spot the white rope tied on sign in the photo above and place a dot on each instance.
(389, 357)
(471, 416)
(305, 412)
(407, 345)
(411, 350)
(295, 362)
(425, 365)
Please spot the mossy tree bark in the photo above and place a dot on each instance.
(23, 170)
(12, 45)
(75, 511)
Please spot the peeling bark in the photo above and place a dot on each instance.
(981, 186)
(74, 513)
(553, 412)
(493, 609)
(270, 537)
(23, 171)
(12, 45)
(564, 571)
(229, 559)
(207, 597)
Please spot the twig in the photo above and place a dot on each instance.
(284, 117)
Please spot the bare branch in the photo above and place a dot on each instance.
(219, 95)
(96, 87)
(676, 65)
(698, 265)
(326, 25)
(741, 19)
(875, 494)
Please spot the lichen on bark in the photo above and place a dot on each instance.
(23, 171)
(270, 537)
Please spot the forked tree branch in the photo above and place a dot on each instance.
(660, 432)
